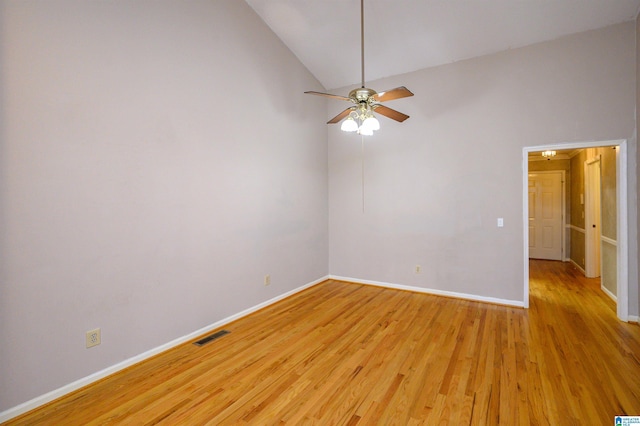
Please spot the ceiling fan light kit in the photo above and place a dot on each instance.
(360, 118)
(365, 116)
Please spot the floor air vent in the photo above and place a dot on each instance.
(211, 338)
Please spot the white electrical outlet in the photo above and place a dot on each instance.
(267, 279)
(418, 269)
(93, 337)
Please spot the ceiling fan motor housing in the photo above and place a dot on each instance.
(361, 94)
(367, 100)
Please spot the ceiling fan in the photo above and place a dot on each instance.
(366, 100)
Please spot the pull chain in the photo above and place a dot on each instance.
(362, 166)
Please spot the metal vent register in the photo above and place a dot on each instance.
(211, 338)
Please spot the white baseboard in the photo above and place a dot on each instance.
(472, 297)
(577, 266)
(608, 293)
(57, 393)
(633, 318)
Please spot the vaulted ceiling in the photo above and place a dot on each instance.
(406, 35)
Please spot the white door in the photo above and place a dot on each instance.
(545, 215)
(592, 218)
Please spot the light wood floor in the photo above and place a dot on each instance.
(346, 354)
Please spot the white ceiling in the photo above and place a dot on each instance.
(406, 35)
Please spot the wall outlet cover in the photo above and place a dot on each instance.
(92, 338)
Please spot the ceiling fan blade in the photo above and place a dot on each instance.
(328, 95)
(391, 113)
(389, 95)
(340, 116)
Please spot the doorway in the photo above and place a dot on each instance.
(621, 248)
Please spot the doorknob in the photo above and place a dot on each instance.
(593, 225)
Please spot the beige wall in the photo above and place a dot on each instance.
(549, 165)
(609, 273)
(609, 217)
(157, 159)
(634, 292)
(608, 158)
(577, 251)
(435, 184)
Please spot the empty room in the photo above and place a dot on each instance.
(318, 212)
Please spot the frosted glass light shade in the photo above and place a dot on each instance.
(364, 130)
(349, 125)
(372, 123)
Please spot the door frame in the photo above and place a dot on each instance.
(622, 233)
(592, 202)
(563, 228)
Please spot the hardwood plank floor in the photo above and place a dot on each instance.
(347, 354)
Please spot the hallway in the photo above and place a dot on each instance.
(591, 358)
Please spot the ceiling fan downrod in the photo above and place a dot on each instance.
(366, 100)
(362, 39)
